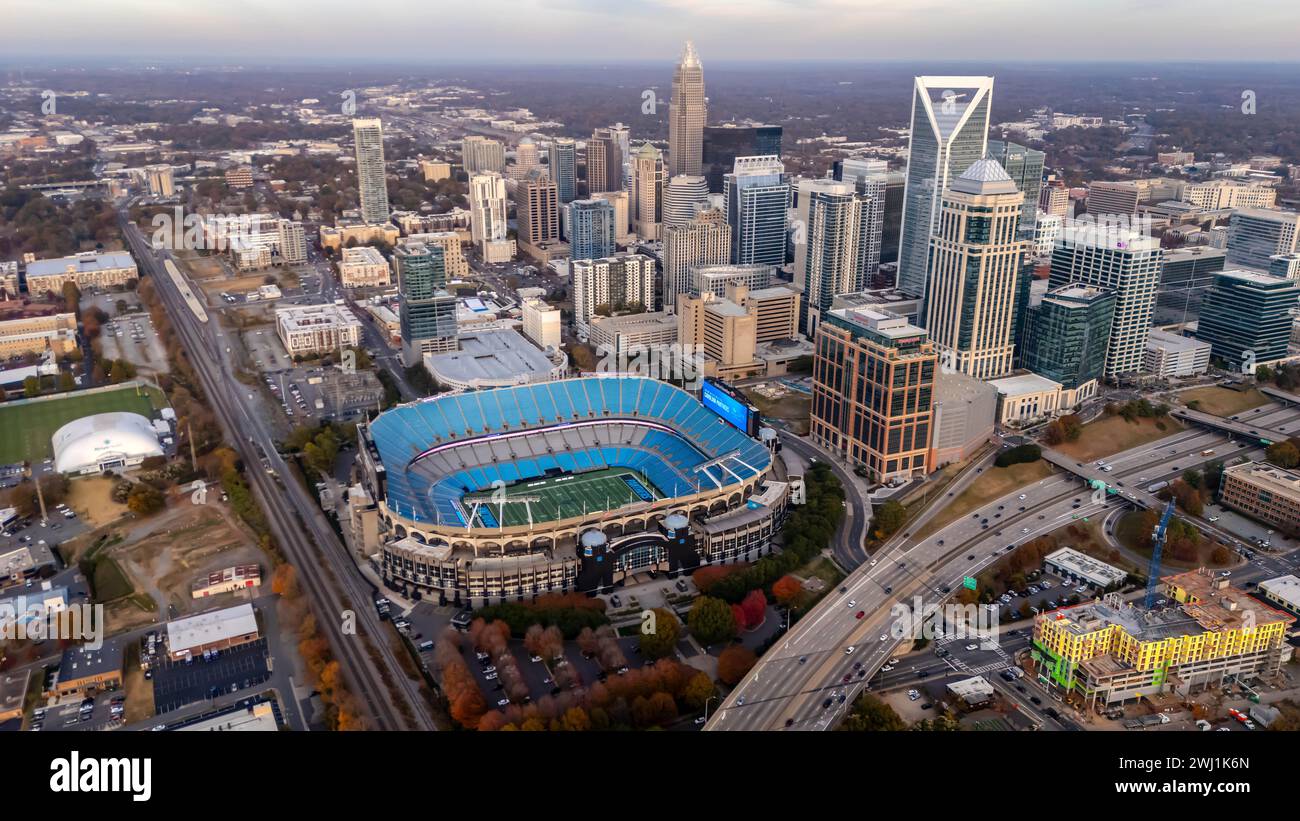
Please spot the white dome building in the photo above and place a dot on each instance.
(104, 441)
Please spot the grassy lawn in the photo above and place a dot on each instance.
(824, 569)
(1112, 434)
(1129, 532)
(1224, 401)
(994, 483)
(793, 408)
(26, 428)
(109, 582)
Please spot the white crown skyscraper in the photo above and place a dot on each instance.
(687, 112)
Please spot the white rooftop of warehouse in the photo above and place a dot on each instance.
(214, 626)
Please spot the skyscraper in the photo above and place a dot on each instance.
(867, 175)
(647, 192)
(371, 181)
(1025, 167)
(604, 161)
(480, 154)
(687, 112)
(487, 217)
(537, 209)
(1255, 235)
(975, 267)
(612, 283)
(724, 143)
(1246, 318)
(1067, 336)
(757, 195)
(950, 123)
(1125, 262)
(683, 197)
(705, 240)
(1185, 276)
(564, 168)
(873, 392)
(526, 159)
(840, 247)
(426, 311)
(591, 229)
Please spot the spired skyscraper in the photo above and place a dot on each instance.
(371, 182)
(950, 124)
(687, 112)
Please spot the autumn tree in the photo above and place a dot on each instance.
(734, 663)
(662, 641)
(787, 591)
(711, 620)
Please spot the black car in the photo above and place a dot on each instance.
(1036, 699)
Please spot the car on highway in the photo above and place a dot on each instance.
(884, 637)
(886, 668)
(852, 602)
(848, 651)
(861, 613)
(972, 647)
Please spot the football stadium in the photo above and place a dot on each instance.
(558, 486)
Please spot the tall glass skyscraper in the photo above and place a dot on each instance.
(840, 247)
(426, 311)
(591, 229)
(687, 112)
(1025, 167)
(724, 143)
(371, 181)
(1246, 318)
(1068, 332)
(757, 195)
(564, 168)
(950, 123)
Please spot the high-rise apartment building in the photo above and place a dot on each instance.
(1125, 262)
(526, 159)
(487, 205)
(705, 240)
(591, 229)
(837, 243)
(611, 284)
(479, 155)
(950, 124)
(647, 200)
(1255, 235)
(724, 143)
(757, 196)
(866, 175)
(683, 197)
(292, 242)
(1068, 332)
(426, 311)
(1025, 167)
(372, 182)
(1246, 318)
(1054, 199)
(687, 112)
(619, 201)
(604, 161)
(537, 209)
(564, 168)
(975, 272)
(873, 392)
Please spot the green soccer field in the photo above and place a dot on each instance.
(25, 429)
(561, 497)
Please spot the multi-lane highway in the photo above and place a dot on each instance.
(793, 679)
(370, 666)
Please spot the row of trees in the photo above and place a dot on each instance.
(1064, 428)
(568, 612)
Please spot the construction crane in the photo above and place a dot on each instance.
(1157, 543)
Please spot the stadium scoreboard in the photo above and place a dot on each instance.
(730, 404)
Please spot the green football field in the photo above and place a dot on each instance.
(561, 497)
(26, 428)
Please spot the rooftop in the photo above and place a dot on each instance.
(1024, 383)
(207, 628)
(81, 263)
(1165, 340)
(79, 661)
(1285, 588)
(501, 356)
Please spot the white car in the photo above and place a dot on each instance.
(884, 637)
(852, 602)
(848, 651)
(886, 668)
(1022, 497)
(893, 661)
(972, 647)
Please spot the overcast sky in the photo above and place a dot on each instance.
(570, 31)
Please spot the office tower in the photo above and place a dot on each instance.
(683, 197)
(591, 229)
(687, 112)
(1246, 318)
(705, 240)
(757, 195)
(622, 224)
(537, 209)
(541, 323)
(605, 160)
(647, 192)
(162, 182)
(564, 168)
(426, 311)
(1285, 265)
(1067, 335)
(1216, 195)
(975, 272)
(371, 180)
(1113, 198)
(1025, 167)
(435, 170)
(873, 392)
(480, 155)
(950, 123)
(723, 330)
(865, 174)
(1046, 229)
(526, 159)
(840, 247)
(1255, 235)
(1185, 276)
(292, 242)
(724, 143)
(487, 218)
(623, 136)
(1124, 262)
(1054, 199)
(611, 284)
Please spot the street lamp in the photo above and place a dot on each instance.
(706, 707)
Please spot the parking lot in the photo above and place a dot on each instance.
(132, 337)
(177, 683)
(266, 350)
(71, 717)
